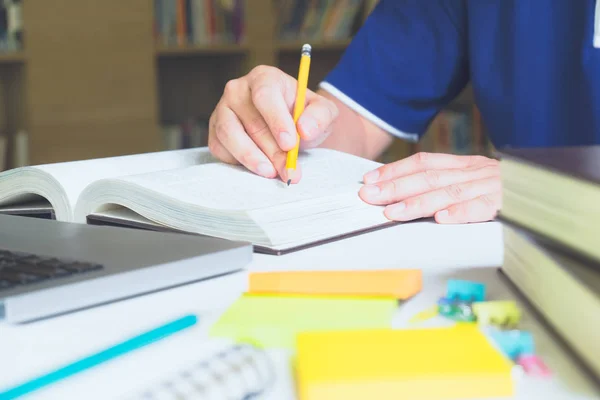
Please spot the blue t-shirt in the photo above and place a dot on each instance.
(534, 66)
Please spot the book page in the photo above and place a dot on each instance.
(227, 187)
(76, 175)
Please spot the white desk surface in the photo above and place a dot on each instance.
(443, 252)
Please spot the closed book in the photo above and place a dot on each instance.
(564, 288)
(458, 362)
(554, 192)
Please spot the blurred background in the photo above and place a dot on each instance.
(83, 79)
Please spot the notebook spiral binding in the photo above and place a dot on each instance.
(241, 372)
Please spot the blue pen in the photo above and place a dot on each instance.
(100, 357)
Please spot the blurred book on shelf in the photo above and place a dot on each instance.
(317, 20)
(4, 162)
(198, 22)
(20, 149)
(191, 133)
(14, 150)
(11, 25)
(455, 132)
(459, 132)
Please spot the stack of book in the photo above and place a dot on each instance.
(550, 215)
(454, 132)
(198, 22)
(318, 20)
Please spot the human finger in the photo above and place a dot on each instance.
(219, 151)
(426, 205)
(267, 87)
(259, 132)
(425, 161)
(231, 135)
(479, 209)
(395, 190)
(316, 121)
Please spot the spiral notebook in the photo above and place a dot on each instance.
(240, 372)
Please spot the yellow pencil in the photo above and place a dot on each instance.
(292, 155)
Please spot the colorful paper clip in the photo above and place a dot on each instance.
(457, 310)
(533, 365)
(504, 314)
(465, 290)
(513, 343)
(424, 315)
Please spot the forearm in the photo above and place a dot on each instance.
(354, 134)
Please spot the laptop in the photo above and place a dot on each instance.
(48, 267)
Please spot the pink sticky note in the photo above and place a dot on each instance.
(533, 365)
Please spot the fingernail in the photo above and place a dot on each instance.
(265, 169)
(288, 139)
(371, 190)
(397, 210)
(371, 176)
(309, 127)
(443, 214)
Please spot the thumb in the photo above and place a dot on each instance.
(315, 122)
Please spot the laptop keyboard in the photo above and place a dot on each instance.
(17, 268)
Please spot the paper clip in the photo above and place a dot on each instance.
(424, 315)
(456, 309)
(465, 290)
(514, 343)
(533, 365)
(504, 314)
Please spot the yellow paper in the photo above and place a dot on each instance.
(275, 320)
(437, 363)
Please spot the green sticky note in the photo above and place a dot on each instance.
(275, 320)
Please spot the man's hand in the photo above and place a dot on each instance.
(253, 124)
(452, 189)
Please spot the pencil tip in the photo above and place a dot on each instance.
(289, 181)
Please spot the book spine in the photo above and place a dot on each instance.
(199, 18)
(14, 34)
(181, 22)
(156, 25)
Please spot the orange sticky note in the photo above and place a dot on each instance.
(401, 284)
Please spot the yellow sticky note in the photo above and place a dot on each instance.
(275, 320)
(437, 363)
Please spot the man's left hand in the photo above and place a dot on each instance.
(450, 188)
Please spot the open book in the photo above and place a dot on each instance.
(190, 191)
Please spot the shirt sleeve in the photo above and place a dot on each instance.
(407, 62)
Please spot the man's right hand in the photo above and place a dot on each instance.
(253, 123)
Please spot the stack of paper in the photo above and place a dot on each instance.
(275, 321)
(436, 363)
(280, 305)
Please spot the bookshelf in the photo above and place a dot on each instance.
(92, 82)
(12, 84)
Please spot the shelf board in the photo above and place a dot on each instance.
(12, 57)
(296, 45)
(209, 49)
